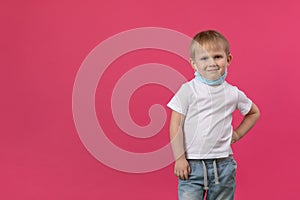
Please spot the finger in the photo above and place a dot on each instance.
(176, 173)
(181, 175)
(189, 170)
(232, 140)
(185, 175)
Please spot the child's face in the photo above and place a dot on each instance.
(211, 62)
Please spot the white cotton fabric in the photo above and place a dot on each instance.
(208, 117)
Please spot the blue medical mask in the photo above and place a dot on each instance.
(218, 81)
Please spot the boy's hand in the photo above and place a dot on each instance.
(235, 137)
(182, 169)
(247, 123)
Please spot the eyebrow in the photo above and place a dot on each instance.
(203, 57)
(214, 55)
(218, 54)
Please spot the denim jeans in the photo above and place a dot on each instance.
(220, 179)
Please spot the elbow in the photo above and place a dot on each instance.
(257, 113)
(254, 113)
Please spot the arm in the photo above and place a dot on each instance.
(247, 123)
(181, 169)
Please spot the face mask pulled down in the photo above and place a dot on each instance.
(218, 81)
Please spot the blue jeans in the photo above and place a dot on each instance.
(216, 180)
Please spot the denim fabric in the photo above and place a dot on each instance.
(193, 188)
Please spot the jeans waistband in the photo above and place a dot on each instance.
(211, 160)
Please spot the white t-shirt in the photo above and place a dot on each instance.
(208, 117)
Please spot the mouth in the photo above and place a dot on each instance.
(212, 69)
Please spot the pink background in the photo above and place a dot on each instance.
(43, 44)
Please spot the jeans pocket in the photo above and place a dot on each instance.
(234, 168)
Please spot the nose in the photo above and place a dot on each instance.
(211, 61)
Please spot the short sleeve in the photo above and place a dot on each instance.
(180, 101)
(244, 103)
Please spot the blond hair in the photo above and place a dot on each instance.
(210, 37)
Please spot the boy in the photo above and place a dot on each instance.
(200, 128)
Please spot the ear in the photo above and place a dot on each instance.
(229, 58)
(193, 64)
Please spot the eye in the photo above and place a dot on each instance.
(218, 57)
(204, 58)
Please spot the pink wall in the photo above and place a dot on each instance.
(44, 43)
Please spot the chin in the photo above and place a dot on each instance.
(212, 78)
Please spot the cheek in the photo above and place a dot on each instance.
(222, 63)
(202, 64)
(201, 67)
